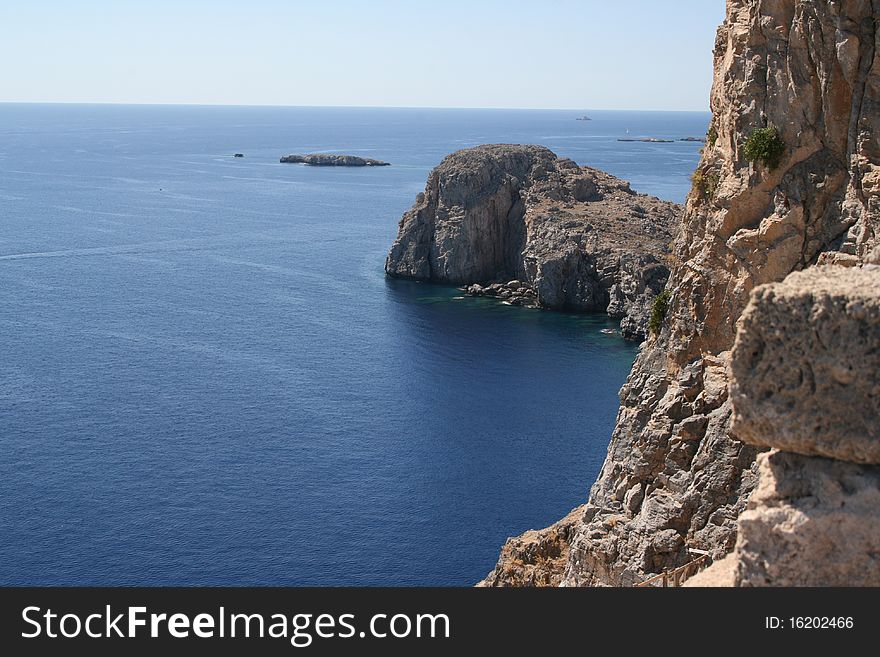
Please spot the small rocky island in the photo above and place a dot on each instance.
(524, 225)
(648, 140)
(330, 160)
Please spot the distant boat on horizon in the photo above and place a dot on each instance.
(583, 118)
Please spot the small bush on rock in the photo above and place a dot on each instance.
(765, 145)
(658, 311)
(712, 135)
(706, 182)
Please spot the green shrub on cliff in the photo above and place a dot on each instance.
(706, 182)
(712, 135)
(765, 145)
(658, 311)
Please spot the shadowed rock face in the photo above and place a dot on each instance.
(575, 238)
(329, 160)
(675, 478)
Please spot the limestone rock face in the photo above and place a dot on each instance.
(640, 278)
(576, 238)
(673, 469)
(810, 522)
(816, 391)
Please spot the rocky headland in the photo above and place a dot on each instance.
(789, 179)
(330, 160)
(524, 225)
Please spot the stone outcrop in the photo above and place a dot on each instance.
(573, 237)
(675, 477)
(537, 558)
(330, 160)
(805, 379)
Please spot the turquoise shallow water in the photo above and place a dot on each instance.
(207, 378)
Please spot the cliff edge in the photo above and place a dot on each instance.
(546, 231)
(789, 178)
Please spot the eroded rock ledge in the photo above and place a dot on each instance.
(573, 238)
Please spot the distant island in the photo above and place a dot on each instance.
(328, 160)
(650, 140)
(657, 140)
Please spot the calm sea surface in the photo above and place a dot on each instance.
(206, 378)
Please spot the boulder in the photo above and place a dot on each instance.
(806, 365)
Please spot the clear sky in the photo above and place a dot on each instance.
(591, 54)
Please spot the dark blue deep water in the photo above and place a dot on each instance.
(206, 378)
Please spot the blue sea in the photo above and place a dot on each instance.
(206, 377)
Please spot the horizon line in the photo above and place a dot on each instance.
(282, 106)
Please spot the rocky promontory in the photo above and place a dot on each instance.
(330, 160)
(524, 225)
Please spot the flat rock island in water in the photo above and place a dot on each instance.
(328, 160)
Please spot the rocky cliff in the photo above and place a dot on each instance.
(540, 227)
(790, 177)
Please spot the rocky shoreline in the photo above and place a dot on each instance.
(523, 225)
(513, 293)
